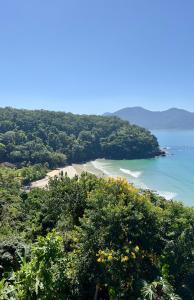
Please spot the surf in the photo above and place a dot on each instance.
(135, 174)
(166, 195)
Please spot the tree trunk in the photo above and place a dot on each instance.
(101, 293)
(96, 292)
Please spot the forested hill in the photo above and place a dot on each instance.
(56, 138)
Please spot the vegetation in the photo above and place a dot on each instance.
(33, 137)
(23, 175)
(11, 195)
(86, 237)
(94, 238)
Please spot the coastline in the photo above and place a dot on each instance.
(42, 183)
(93, 168)
(130, 174)
(77, 169)
(90, 168)
(71, 171)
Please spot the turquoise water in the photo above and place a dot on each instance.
(171, 176)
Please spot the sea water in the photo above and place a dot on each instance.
(171, 176)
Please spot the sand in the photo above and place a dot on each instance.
(71, 171)
(42, 183)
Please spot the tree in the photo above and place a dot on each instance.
(44, 276)
(56, 138)
(111, 237)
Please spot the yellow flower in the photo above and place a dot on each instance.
(124, 258)
(133, 255)
(99, 260)
(110, 257)
(136, 248)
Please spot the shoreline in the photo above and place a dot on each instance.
(88, 168)
(71, 171)
(42, 183)
(77, 169)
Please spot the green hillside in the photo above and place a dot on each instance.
(57, 138)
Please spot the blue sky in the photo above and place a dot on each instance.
(92, 56)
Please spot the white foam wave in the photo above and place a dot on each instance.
(99, 166)
(166, 195)
(134, 174)
(143, 186)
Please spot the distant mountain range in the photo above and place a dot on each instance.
(172, 118)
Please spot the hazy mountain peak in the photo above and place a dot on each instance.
(172, 118)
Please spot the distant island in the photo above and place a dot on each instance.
(172, 118)
(56, 138)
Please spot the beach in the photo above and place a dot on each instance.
(42, 183)
(70, 171)
(171, 176)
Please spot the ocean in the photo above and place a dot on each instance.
(171, 177)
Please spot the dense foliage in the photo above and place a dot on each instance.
(94, 238)
(56, 138)
(11, 184)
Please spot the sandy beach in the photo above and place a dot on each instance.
(71, 171)
(90, 168)
(42, 183)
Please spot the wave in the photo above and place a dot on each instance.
(134, 174)
(97, 165)
(167, 195)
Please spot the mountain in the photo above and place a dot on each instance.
(173, 118)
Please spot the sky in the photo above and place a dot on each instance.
(94, 56)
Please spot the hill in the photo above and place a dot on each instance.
(56, 138)
(173, 118)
